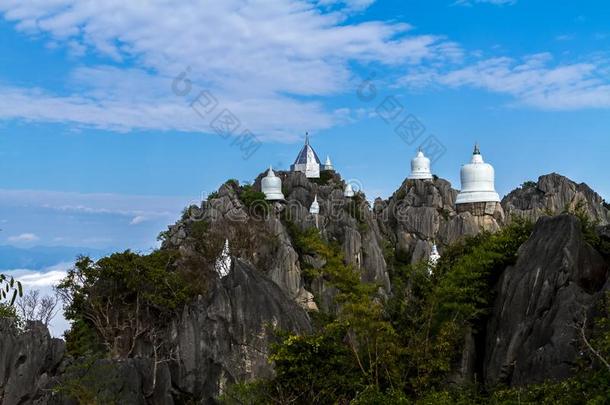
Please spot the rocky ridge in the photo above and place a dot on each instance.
(223, 336)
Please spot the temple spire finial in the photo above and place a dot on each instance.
(477, 150)
(306, 138)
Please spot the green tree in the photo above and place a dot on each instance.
(121, 299)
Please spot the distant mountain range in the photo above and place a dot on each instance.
(39, 257)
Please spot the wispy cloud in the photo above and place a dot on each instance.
(94, 220)
(250, 54)
(534, 81)
(23, 238)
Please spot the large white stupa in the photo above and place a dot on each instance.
(478, 181)
(420, 167)
(307, 161)
(271, 185)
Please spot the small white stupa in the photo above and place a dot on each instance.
(315, 210)
(420, 167)
(271, 185)
(315, 206)
(478, 181)
(307, 161)
(349, 191)
(328, 165)
(223, 262)
(434, 256)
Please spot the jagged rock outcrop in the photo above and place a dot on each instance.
(347, 222)
(221, 338)
(224, 337)
(554, 194)
(414, 215)
(28, 361)
(421, 212)
(557, 279)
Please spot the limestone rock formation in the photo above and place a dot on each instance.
(421, 212)
(557, 279)
(219, 339)
(554, 194)
(224, 337)
(28, 361)
(412, 218)
(348, 222)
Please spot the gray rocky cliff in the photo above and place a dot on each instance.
(554, 194)
(532, 334)
(28, 361)
(221, 338)
(224, 337)
(422, 212)
(347, 222)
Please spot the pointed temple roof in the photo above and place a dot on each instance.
(305, 152)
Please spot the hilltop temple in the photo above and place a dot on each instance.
(307, 161)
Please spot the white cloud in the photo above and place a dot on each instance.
(259, 58)
(44, 281)
(23, 238)
(533, 81)
(38, 279)
(138, 219)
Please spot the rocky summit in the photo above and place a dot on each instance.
(293, 268)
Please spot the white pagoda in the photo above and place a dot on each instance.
(271, 186)
(478, 181)
(328, 165)
(420, 167)
(315, 206)
(349, 191)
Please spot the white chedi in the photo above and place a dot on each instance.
(478, 181)
(223, 262)
(420, 167)
(271, 186)
(349, 191)
(328, 165)
(433, 259)
(315, 206)
(434, 256)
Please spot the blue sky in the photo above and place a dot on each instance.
(97, 151)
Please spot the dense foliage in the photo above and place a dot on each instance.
(120, 300)
(401, 350)
(375, 350)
